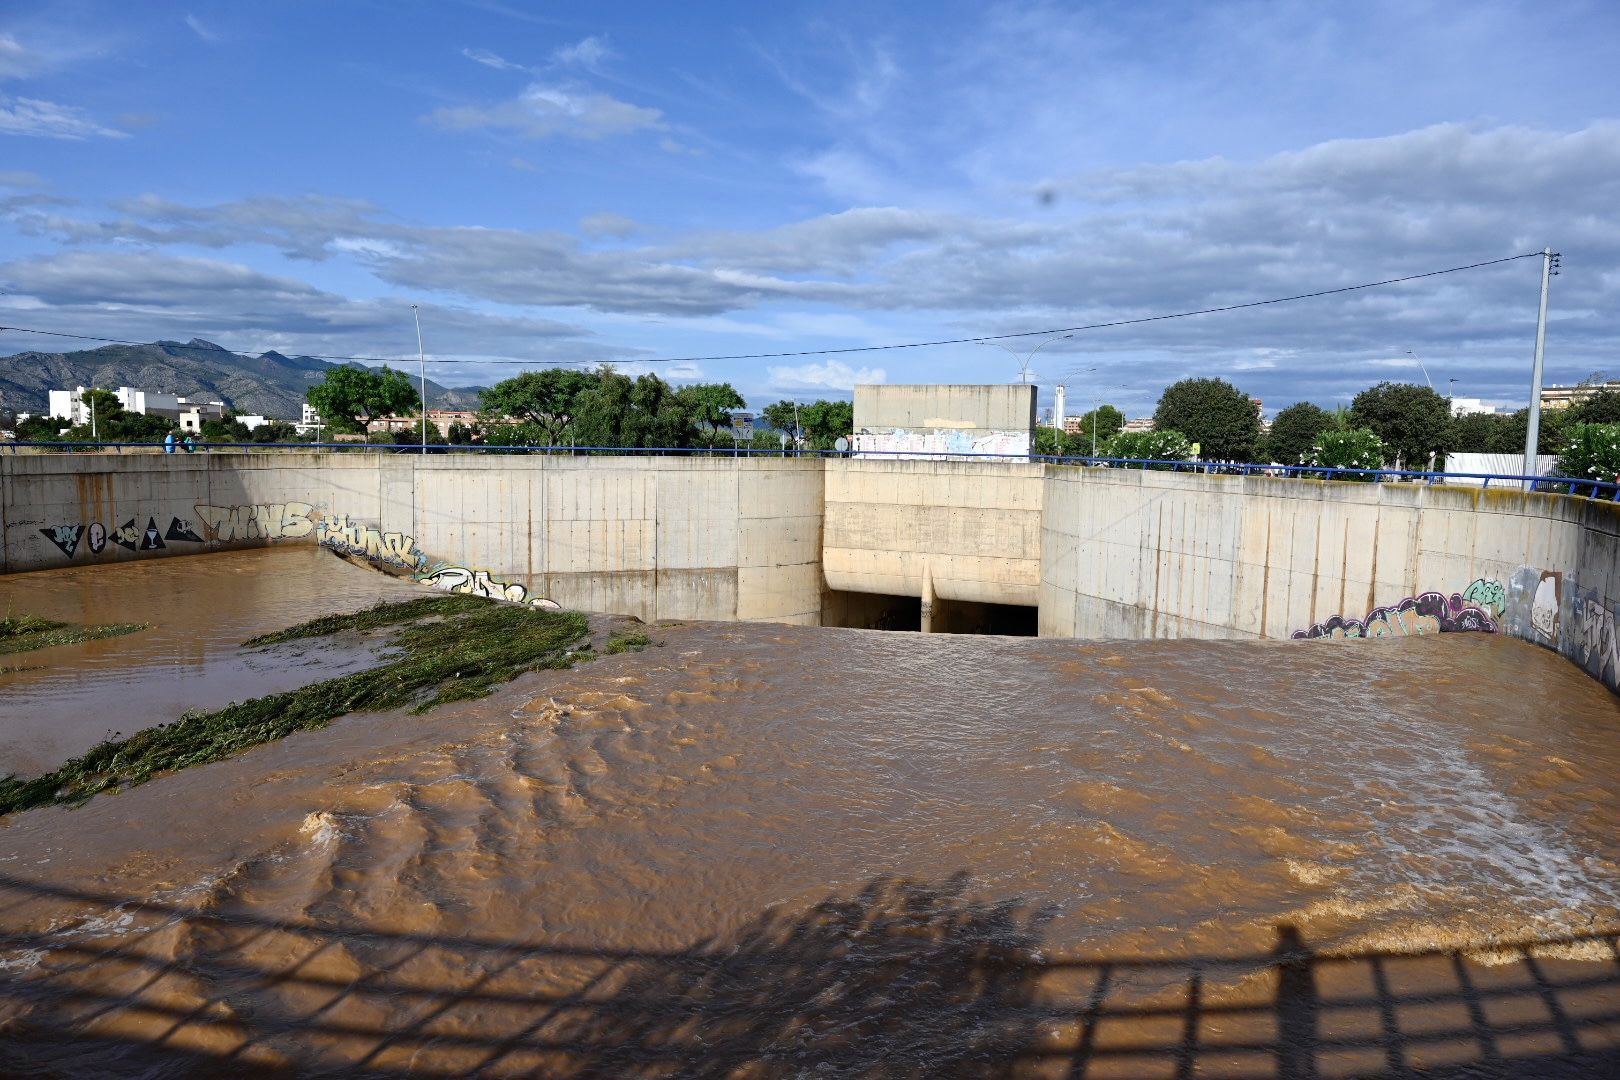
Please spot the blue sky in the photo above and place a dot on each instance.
(588, 182)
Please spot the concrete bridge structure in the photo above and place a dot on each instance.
(954, 545)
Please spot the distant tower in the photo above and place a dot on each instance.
(1057, 410)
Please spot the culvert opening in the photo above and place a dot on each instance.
(880, 611)
(969, 617)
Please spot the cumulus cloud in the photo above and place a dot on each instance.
(826, 375)
(147, 295)
(544, 110)
(47, 119)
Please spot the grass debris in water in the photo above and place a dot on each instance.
(467, 647)
(24, 633)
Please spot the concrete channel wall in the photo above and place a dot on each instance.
(1127, 554)
(1102, 553)
(659, 538)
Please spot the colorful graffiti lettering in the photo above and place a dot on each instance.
(1593, 641)
(1426, 613)
(459, 579)
(65, 537)
(942, 442)
(353, 538)
(1488, 594)
(258, 521)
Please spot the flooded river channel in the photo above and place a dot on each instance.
(758, 850)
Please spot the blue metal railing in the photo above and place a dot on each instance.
(1573, 485)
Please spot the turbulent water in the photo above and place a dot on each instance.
(757, 850)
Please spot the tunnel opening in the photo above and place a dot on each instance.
(970, 617)
(871, 611)
(882, 611)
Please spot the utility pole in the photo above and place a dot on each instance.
(1532, 434)
(421, 359)
(92, 397)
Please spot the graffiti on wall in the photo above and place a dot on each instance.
(1426, 613)
(258, 521)
(1488, 595)
(942, 442)
(1545, 605)
(459, 579)
(1590, 635)
(349, 537)
(65, 537)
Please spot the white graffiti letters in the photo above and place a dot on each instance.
(459, 579)
(340, 533)
(258, 521)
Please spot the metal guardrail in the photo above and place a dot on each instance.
(1571, 485)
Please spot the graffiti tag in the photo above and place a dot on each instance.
(1593, 631)
(97, 537)
(65, 537)
(127, 536)
(1487, 594)
(1426, 613)
(354, 538)
(258, 521)
(459, 579)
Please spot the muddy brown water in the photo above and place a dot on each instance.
(757, 850)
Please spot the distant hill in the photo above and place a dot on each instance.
(269, 384)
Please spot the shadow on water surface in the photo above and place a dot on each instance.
(899, 979)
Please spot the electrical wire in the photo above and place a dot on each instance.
(857, 348)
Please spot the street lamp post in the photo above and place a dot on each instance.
(1023, 361)
(421, 360)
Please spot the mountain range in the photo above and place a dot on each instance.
(269, 384)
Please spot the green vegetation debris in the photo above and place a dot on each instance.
(467, 647)
(634, 641)
(24, 633)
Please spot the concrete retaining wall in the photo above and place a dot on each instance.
(1132, 554)
(659, 538)
(1102, 552)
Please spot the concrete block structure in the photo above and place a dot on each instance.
(938, 420)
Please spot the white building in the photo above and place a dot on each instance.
(309, 420)
(69, 405)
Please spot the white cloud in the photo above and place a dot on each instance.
(828, 375)
(47, 119)
(606, 224)
(15, 61)
(491, 60)
(588, 53)
(544, 110)
(199, 29)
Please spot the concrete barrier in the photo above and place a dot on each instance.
(1100, 552)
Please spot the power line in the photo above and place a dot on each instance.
(861, 348)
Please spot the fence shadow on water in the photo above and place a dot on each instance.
(899, 979)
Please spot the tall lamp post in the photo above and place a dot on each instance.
(421, 360)
(1023, 360)
(1532, 434)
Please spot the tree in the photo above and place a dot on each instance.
(1213, 413)
(1603, 407)
(275, 431)
(1155, 445)
(1476, 433)
(227, 430)
(708, 404)
(1591, 452)
(825, 422)
(39, 429)
(103, 405)
(1109, 421)
(1508, 436)
(1050, 442)
(781, 416)
(1360, 448)
(462, 434)
(545, 399)
(349, 392)
(1413, 421)
(1294, 431)
(645, 412)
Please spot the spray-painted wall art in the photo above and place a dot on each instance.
(941, 443)
(1425, 613)
(459, 579)
(258, 521)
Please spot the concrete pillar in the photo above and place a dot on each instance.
(1057, 409)
(927, 624)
